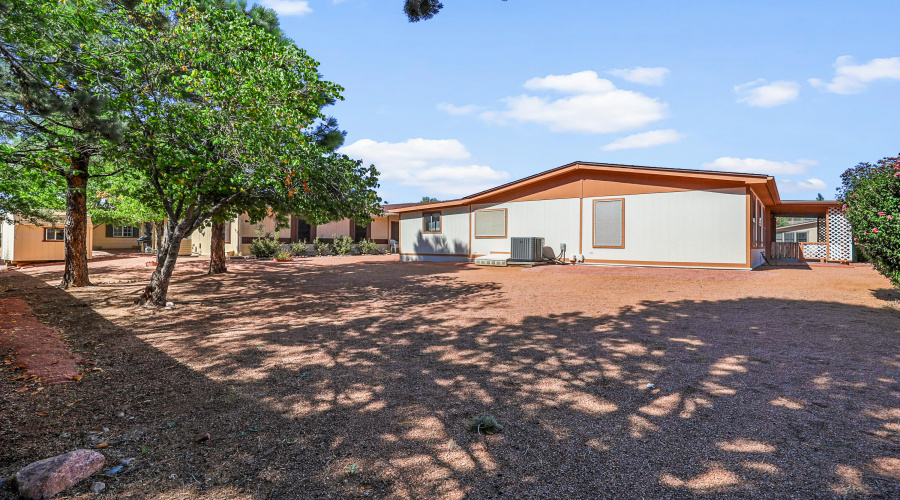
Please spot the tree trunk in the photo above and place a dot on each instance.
(217, 249)
(157, 241)
(155, 293)
(76, 270)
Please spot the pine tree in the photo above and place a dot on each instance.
(54, 95)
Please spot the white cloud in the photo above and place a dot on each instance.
(851, 78)
(288, 7)
(759, 166)
(583, 82)
(644, 76)
(762, 94)
(597, 107)
(644, 140)
(442, 167)
(458, 110)
(790, 186)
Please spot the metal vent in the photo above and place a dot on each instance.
(526, 249)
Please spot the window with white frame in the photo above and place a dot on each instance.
(54, 234)
(123, 232)
(431, 222)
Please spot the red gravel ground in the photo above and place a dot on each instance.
(38, 350)
(355, 378)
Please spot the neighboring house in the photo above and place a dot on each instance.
(108, 237)
(620, 215)
(799, 233)
(239, 233)
(23, 241)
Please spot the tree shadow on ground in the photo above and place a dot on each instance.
(356, 381)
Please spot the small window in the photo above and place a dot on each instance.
(228, 232)
(789, 237)
(609, 223)
(54, 234)
(490, 223)
(431, 222)
(123, 232)
(802, 237)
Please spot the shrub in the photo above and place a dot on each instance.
(342, 244)
(484, 423)
(265, 245)
(368, 247)
(283, 255)
(321, 247)
(298, 249)
(871, 200)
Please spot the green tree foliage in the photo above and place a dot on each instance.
(428, 199)
(871, 200)
(819, 197)
(55, 112)
(222, 126)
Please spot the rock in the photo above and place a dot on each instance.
(115, 470)
(201, 437)
(98, 487)
(45, 478)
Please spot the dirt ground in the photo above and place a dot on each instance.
(355, 378)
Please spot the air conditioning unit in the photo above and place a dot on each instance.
(526, 249)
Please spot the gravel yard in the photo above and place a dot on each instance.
(355, 377)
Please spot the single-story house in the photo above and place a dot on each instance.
(621, 215)
(239, 233)
(24, 241)
(799, 233)
(107, 236)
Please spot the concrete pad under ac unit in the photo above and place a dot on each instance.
(491, 260)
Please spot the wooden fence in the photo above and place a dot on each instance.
(786, 250)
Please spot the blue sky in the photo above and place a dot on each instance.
(490, 91)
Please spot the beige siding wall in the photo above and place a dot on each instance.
(201, 240)
(452, 243)
(23, 243)
(690, 227)
(248, 230)
(554, 220)
(332, 229)
(101, 242)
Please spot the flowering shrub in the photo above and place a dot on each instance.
(871, 200)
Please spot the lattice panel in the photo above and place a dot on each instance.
(814, 250)
(822, 229)
(840, 238)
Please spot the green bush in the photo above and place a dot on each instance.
(367, 247)
(871, 201)
(321, 247)
(342, 244)
(265, 246)
(298, 249)
(283, 255)
(484, 424)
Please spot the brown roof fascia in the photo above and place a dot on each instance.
(671, 172)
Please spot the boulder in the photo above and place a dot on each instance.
(45, 478)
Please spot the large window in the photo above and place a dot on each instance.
(123, 232)
(431, 222)
(757, 222)
(490, 223)
(609, 223)
(54, 234)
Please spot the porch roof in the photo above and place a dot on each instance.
(803, 208)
